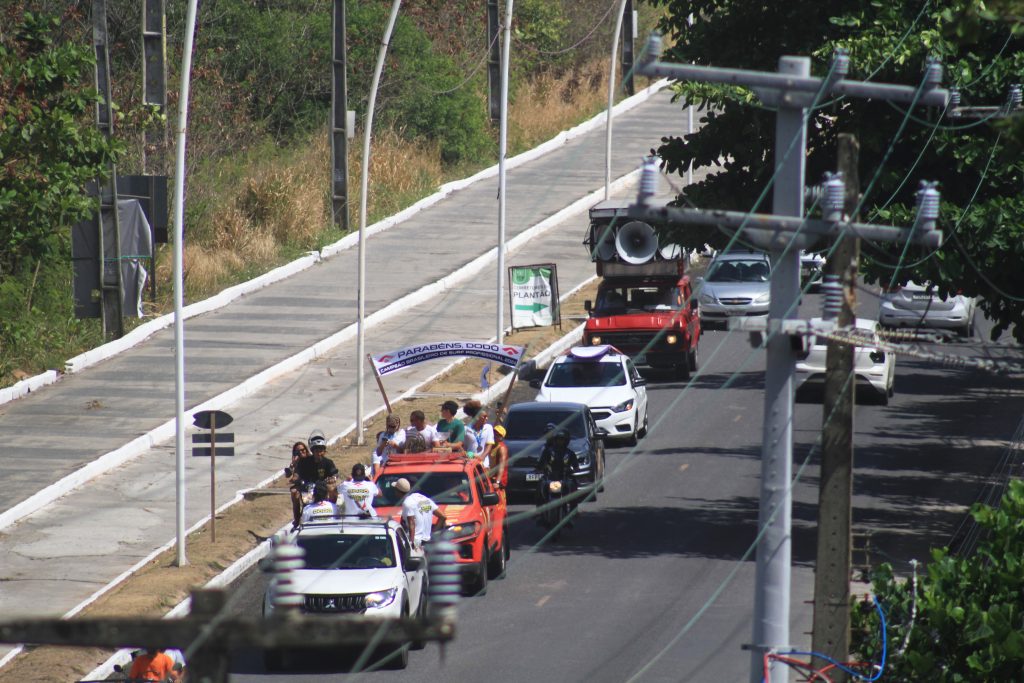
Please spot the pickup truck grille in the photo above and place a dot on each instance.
(627, 338)
(335, 604)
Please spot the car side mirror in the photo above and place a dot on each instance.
(413, 563)
(588, 305)
(535, 383)
(488, 499)
(639, 382)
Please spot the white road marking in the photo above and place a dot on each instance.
(542, 601)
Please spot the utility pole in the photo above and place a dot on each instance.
(792, 91)
(831, 630)
(493, 62)
(628, 47)
(341, 127)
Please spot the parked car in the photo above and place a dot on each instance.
(811, 269)
(365, 568)
(874, 368)
(476, 514)
(916, 305)
(527, 426)
(737, 283)
(605, 380)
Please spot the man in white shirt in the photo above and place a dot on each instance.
(389, 441)
(321, 507)
(418, 421)
(483, 431)
(418, 512)
(357, 494)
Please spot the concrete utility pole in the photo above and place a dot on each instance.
(628, 47)
(792, 91)
(493, 62)
(831, 631)
(341, 130)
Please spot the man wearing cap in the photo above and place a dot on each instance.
(418, 513)
(452, 426)
(389, 441)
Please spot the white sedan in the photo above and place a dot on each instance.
(874, 368)
(607, 382)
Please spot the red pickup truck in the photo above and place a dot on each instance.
(475, 511)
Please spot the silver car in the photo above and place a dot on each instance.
(738, 283)
(915, 305)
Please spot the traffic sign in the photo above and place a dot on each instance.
(211, 419)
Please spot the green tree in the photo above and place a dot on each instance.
(961, 622)
(982, 208)
(49, 148)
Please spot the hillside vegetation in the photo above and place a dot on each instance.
(257, 191)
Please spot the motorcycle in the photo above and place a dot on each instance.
(553, 505)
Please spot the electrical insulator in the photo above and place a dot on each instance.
(927, 206)
(1014, 100)
(840, 64)
(954, 103)
(932, 73)
(288, 558)
(648, 178)
(833, 301)
(834, 189)
(653, 52)
(445, 579)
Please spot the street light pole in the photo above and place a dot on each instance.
(363, 189)
(502, 149)
(613, 64)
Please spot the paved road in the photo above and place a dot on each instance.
(58, 557)
(608, 602)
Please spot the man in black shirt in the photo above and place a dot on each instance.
(310, 469)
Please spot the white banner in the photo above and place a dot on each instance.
(533, 295)
(392, 361)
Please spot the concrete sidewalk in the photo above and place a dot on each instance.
(60, 556)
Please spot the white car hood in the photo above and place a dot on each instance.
(345, 581)
(594, 397)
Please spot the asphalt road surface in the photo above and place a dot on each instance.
(654, 581)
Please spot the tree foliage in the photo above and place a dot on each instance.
(982, 207)
(963, 621)
(49, 148)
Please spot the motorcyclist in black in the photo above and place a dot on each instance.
(558, 462)
(310, 469)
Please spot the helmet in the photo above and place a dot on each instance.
(317, 440)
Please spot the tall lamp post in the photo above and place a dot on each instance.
(502, 147)
(363, 184)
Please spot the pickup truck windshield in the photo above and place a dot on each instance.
(618, 300)
(444, 488)
(347, 551)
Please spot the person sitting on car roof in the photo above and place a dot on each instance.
(357, 494)
(320, 507)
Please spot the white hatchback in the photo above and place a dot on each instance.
(873, 367)
(607, 382)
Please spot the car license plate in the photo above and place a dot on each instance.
(533, 476)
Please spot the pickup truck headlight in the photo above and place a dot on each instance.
(381, 598)
(671, 339)
(707, 298)
(623, 407)
(462, 531)
(764, 298)
(595, 340)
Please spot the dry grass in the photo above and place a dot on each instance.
(269, 205)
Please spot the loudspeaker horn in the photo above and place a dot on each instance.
(636, 242)
(605, 249)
